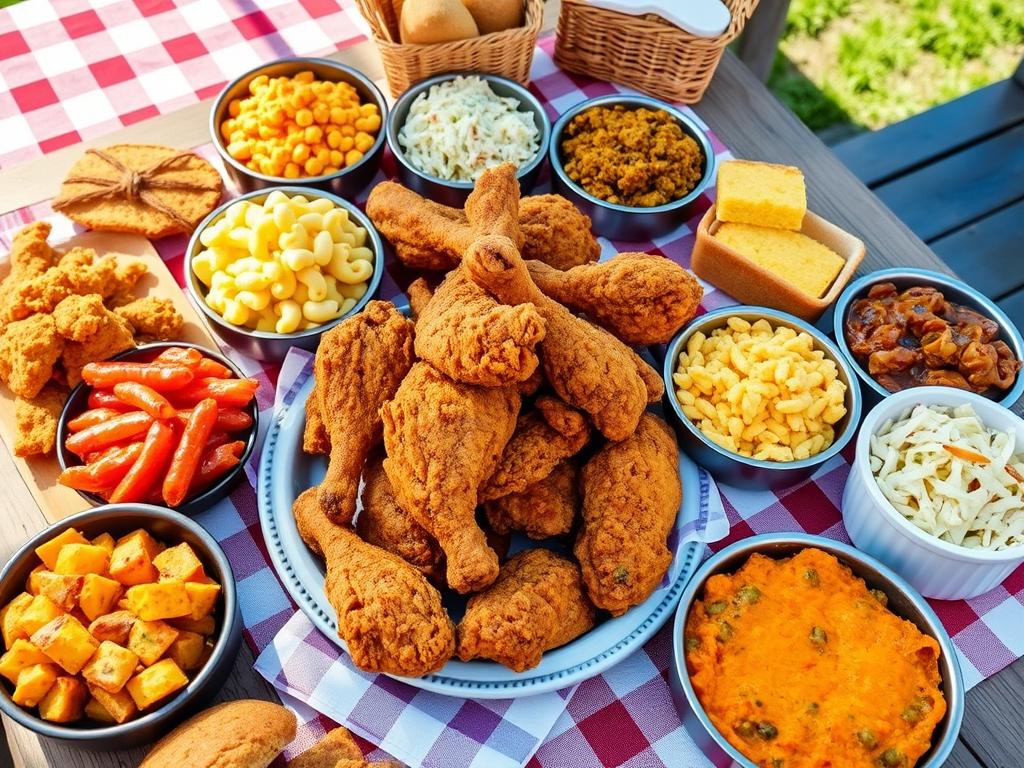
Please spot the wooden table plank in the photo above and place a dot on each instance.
(988, 250)
(993, 725)
(962, 757)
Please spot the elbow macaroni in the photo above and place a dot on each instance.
(760, 392)
(287, 264)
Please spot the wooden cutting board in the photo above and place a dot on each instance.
(40, 472)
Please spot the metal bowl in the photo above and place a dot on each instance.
(954, 290)
(454, 193)
(77, 402)
(349, 181)
(740, 471)
(623, 222)
(119, 519)
(274, 346)
(903, 601)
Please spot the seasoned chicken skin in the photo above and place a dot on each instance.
(542, 510)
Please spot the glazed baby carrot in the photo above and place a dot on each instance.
(162, 378)
(228, 419)
(216, 462)
(144, 398)
(189, 453)
(208, 368)
(102, 398)
(91, 418)
(103, 473)
(186, 356)
(152, 462)
(233, 392)
(118, 429)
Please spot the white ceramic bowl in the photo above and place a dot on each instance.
(934, 567)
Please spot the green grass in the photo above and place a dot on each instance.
(874, 62)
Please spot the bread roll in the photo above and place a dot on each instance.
(239, 734)
(495, 15)
(435, 21)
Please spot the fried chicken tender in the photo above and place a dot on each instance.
(30, 257)
(546, 508)
(36, 421)
(389, 616)
(543, 438)
(337, 749)
(79, 272)
(631, 494)
(28, 350)
(92, 332)
(587, 367)
(556, 232)
(537, 603)
(358, 368)
(153, 318)
(641, 298)
(442, 439)
(383, 523)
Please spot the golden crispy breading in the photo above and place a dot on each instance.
(556, 232)
(36, 421)
(28, 350)
(78, 318)
(315, 439)
(546, 508)
(80, 271)
(334, 746)
(153, 318)
(94, 332)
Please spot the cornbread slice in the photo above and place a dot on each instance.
(792, 256)
(764, 194)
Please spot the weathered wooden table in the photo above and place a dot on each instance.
(752, 124)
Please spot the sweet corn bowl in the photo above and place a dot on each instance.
(266, 344)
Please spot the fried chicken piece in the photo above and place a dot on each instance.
(537, 603)
(29, 349)
(466, 334)
(389, 616)
(641, 298)
(546, 508)
(420, 293)
(79, 272)
(30, 257)
(315, 439)
(543, 438)
(36, 421)
(337, 749)
(383, 523)
(528, 387)
(492, 208)
(153, 318)
(358, 368)
(127, 273)
(92, 331)
(652, 379)
(443, 438)
(631, 494)
(587, 367)
(556, 232)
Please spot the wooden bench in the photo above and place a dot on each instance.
(955, 176)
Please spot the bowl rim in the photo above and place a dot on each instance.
(197, 294)
(213, 551)
(905, 400)
(859, 286)
(337, 66)
(635, 100)
(772, 316)
(414, 91)
(955, 704)
(227, 479)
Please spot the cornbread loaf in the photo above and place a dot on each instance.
(239, 734)
(495, 15)
(764, 194)
(805, 263)
(435, 21)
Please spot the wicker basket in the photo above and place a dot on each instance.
(508, 53)
(644, 52)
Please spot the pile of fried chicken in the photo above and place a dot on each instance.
(513, 401)
(59, 312)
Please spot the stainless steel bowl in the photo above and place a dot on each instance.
(119, 519)
(622, 222)
(903, 601)
(454, 193)
(349, 181)
(274, 346)
(740, 471)
(954, 290)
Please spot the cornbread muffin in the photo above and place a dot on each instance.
(761, 193)
(805, 263)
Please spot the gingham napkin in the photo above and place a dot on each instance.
(421, 728)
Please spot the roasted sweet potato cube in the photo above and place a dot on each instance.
(22, 654)
(99, 595)
(63, 589)
(110, 667)
(32, 582)
(155, 683)
(33, 683)
(48, 552)
(42, 610)
(67, 642)
(179, 563)
(96, 711)
(65, 701)
(104, 540)
(187, 650)
(131, 562)
(82, 559)
(163, 600)
(202, 598)
(118, 705)
(203, 626)
(150, 639)
(10, 614)
(145, 540)
(113, 627)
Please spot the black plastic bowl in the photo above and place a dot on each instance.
(171, 528)
(78, 402)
